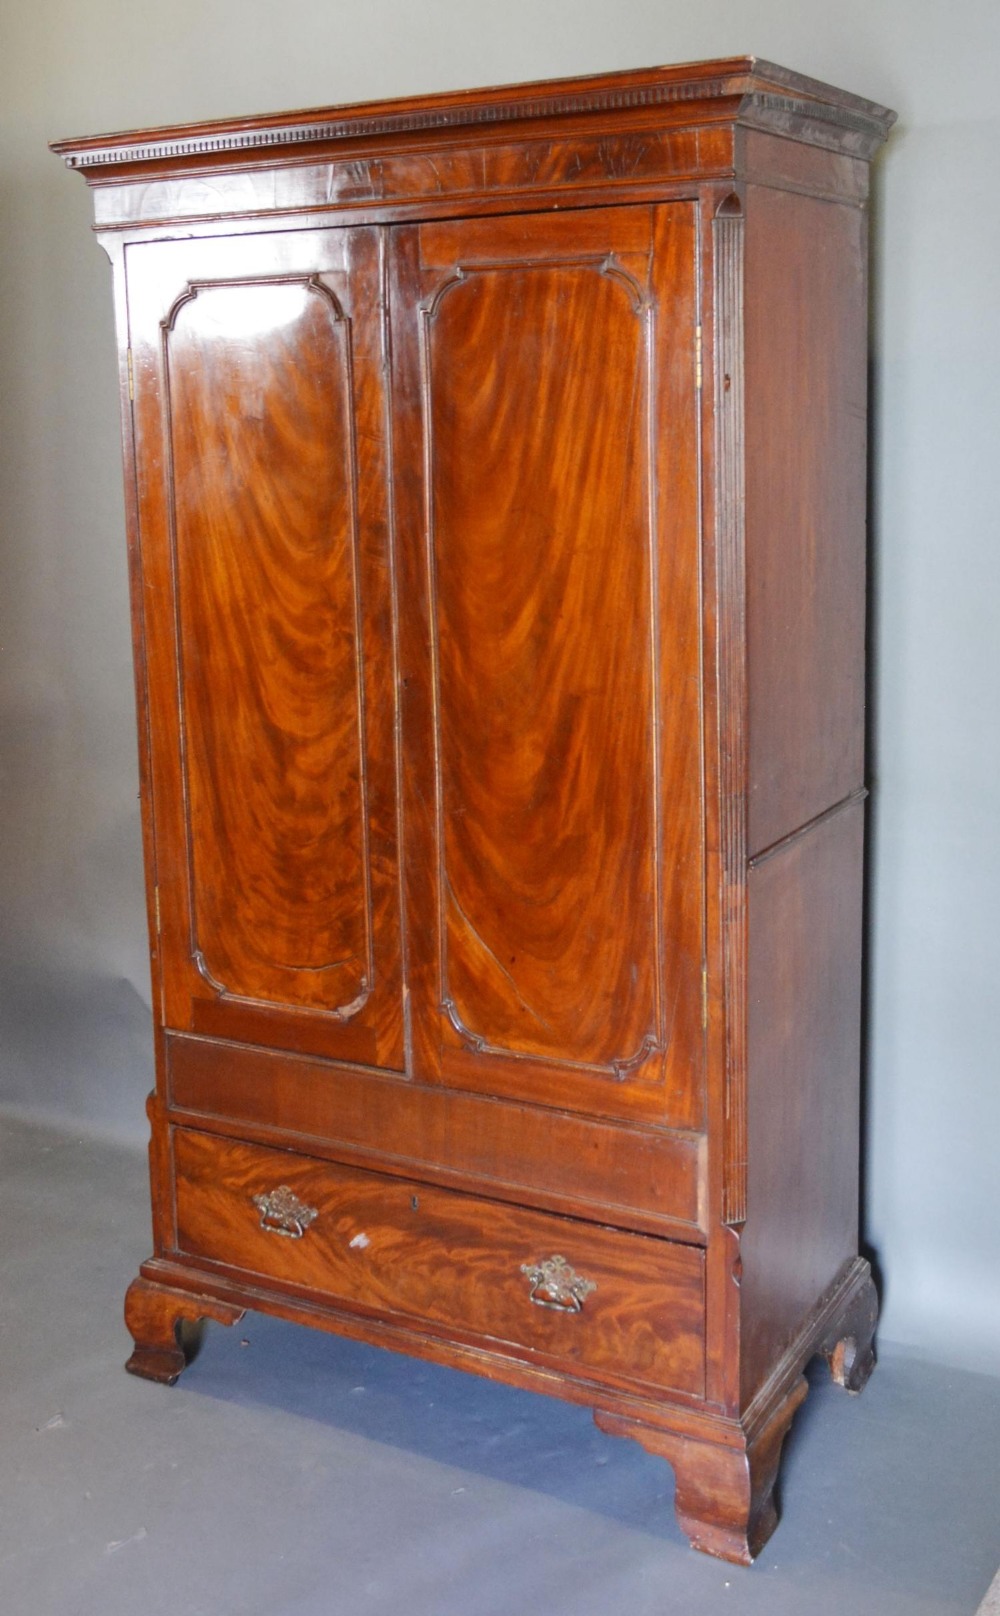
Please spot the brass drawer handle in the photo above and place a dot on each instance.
(555, 1284)
(281, 1212)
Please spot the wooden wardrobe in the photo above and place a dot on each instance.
(495, 470)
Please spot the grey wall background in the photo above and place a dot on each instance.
(73, 978)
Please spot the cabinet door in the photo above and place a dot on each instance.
(260, 438)
(546, 455)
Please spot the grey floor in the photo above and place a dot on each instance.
(293, 1474)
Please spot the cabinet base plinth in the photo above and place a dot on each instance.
(154, 1315)
(725, 1489)
(724, 1495)
(849, 1348)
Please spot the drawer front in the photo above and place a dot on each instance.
(621, 1308)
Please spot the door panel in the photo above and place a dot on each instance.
(260, 442)
(542, 828)
(266, 551)
(546, 455)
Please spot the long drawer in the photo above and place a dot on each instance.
(618, 1307)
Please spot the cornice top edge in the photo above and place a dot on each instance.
(750, 82)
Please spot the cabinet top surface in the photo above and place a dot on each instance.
(739, 88)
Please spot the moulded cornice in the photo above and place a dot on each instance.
(743, 90)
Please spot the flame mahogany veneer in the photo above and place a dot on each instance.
(495, 471)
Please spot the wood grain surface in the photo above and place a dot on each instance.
(555, 815)
(804, 1037)
(261, 444)
(806, 445)
(261, 418)
(544, 692)
(649, 1179)
(455, 1262)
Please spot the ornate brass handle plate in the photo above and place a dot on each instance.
(281, 1212)
(555, 1284)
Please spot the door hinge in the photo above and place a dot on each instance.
(697, 357)
(131, 378)
(156, 908)
(704, 995)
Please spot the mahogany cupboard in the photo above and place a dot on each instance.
(495, 471)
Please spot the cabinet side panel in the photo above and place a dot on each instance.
(806, 378)
(803, 1038)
